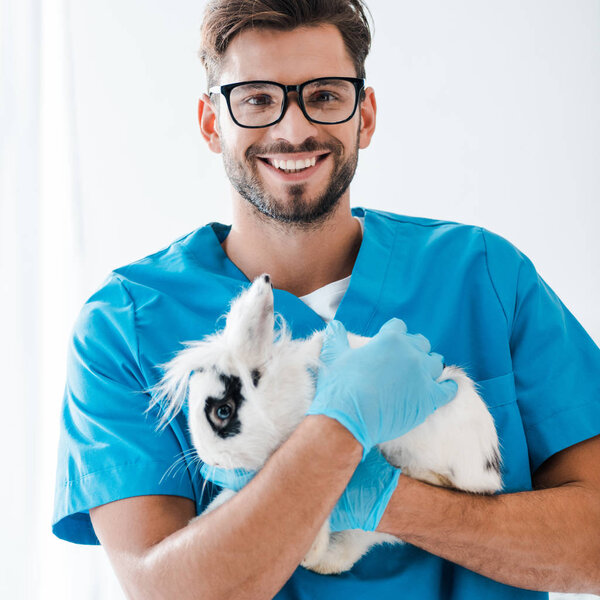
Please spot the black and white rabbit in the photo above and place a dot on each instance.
(248, 387)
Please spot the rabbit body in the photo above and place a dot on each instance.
(247, 391)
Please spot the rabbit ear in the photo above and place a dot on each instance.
(249, 328)
(171, 391)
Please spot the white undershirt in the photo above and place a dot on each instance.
(326, 299)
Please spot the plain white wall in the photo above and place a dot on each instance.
(488, 114)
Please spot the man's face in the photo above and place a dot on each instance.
(307, 195)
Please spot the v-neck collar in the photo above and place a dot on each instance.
(358, 307)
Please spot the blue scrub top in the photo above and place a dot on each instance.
(476, 298)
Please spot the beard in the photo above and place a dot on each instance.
(295, 209)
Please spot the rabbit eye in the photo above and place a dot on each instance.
(221, 414)
(224, 412)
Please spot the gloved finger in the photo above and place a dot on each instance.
(434, 363)
(419, 341)
(438, 356)
(233, 479)
(335, 341)
(444, 392)
(393, 325)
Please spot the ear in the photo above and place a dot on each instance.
(171, 391)
(368, 113)
(209, 125)
(249, 327)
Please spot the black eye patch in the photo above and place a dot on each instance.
(255, 377)
(228, 404)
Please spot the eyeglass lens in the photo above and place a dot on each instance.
(260, 104)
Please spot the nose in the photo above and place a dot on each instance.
(294, 126)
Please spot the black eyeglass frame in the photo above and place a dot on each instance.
(225, 90)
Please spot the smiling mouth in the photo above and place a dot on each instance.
(293, 166)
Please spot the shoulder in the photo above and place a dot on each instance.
(453, 252)
(465, 237)
(114, 303)
(136, 283)
(424, 228)
(172, 258)
(420, 222)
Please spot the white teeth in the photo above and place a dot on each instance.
(294, 165)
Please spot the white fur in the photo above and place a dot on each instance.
(451, 448)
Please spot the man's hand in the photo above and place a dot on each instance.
(383, 389)
(367, 494)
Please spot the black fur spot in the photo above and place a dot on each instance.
(232, 393)
(255, 377)
(493, 463)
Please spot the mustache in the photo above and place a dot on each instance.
(283, 147)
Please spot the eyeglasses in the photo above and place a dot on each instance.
(327, 100)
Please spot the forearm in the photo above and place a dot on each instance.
(541, 540)
(250, 546)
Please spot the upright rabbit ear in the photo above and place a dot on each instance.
(249, 328)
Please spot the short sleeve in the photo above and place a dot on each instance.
(556, 364)
(109, 448)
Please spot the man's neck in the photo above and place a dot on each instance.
(299, 260)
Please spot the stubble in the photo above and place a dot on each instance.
(296, 210)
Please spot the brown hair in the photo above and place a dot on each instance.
(224, 19)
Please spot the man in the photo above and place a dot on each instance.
(290, 150)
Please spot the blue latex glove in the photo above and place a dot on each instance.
(233, 479)
(383, 389)
(367, 494)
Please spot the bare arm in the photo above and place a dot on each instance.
(547, 539)
(246, 548)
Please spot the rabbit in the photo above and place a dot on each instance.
(249, 386)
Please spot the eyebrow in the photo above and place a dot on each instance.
(331, 82)
(257, 86)
(323, 81)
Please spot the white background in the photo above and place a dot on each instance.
(488, 114)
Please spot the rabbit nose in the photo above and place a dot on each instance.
(267, 279)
